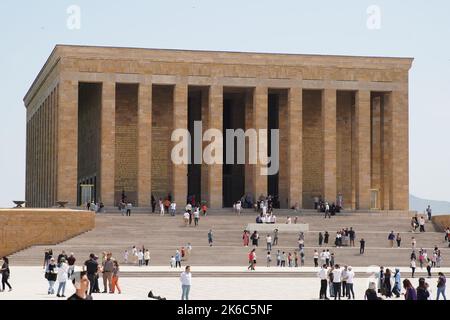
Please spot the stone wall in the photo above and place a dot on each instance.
(126, 142)
(161, 144)
(22, 228)
(312, 147)
(441, 222)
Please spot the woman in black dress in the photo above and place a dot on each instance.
(387, 287)
(5, 274)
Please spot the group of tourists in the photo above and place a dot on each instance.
(182, 254)
(338, 280)
(138, 257)
(61, 269)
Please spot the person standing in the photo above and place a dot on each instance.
(429, 265)
(316, 258)
(51, 274)
(177, 259)
(397, 283)
(362, 245)
(252, 259)
(269, 242)
(391, 238)
(387, 286)
(204, 209)
(140, 258)
(398, 239)
(326, 238)
(5, 272)
(255, 237)
(238, 208)
(344, 281)
(115, 277)
(173, 209)
(350, 277)
(91, 266)
(129, 206)
(422, 224)
(323, 275)
(210, 238)
(275, 237)
(245, 238)
(441, 286)
(323, 258)
(153, 202)
(320, 239)
(147, 257)
(186, 282)
(71, 262)
(429, 212)
(108, 268)
(278, 258)
(337, 282)
(62, 277)
(352, 236)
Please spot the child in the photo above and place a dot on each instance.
(204, 209)
(269, 259)
(172, 262)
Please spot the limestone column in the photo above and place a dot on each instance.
(108, 144)
(400, 150)
(295, 149)
(144, 144)
(386, 141)
(329, 144)
(362, 119)
(260, 113)
(180, 119)
(67, 142)
(215, 121)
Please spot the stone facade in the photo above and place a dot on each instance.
(343, 123)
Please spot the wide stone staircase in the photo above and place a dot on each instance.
(162, 235)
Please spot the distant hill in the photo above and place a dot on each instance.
(437, 207)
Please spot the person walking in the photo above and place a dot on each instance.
(196, 216)
(397, 283)
(51, 275)
(186, 282)
(362, 245)
(5, 272)
(352, 236)
(323, 258)
(269, 242)
(387, 286)
(422, 290)
(115, 278)
(320, 239)
(71, 262)
(153, 203)
(412, 265)
(278, 258)
(410, 293)
(441, 286)
(323, 276)
(252, 259)
(62, 277)
(429, 266)
(210, 238)
(268, 259)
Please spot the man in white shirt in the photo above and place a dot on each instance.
(350, 277)
(323, 258)
(186, 281)
(337, 282)
(173, 208)
(323, 275)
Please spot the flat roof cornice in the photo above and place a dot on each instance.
(224, 57)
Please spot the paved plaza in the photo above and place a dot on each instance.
(29, 284)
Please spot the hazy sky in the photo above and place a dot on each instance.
(419, 29)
